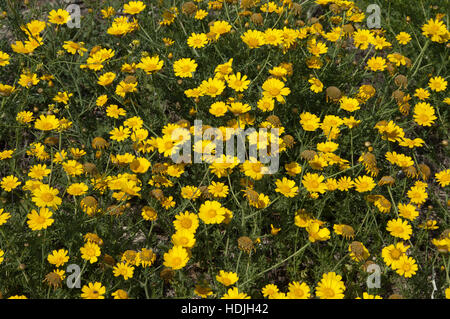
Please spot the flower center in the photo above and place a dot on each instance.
(47, 197)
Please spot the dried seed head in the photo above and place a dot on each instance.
(424, 171)
(130, 79)
(167, 274)
(410, 171)
(53, 280)
(348, 232)
(157, 194)
(389, 180)
(189, 8)
(90, 168)
(245, 244)
(51, 140)
(274, 120)
(99, 143)
(398, 95)
(251, 195)
(308, 155)
(257, 18)
(401, 81)
(296, 9)
(333, 93)
(348, 28)
(288, 140)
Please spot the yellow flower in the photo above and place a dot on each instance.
(8, 183)
(41, 220)
(403, 38)
(253, 38)
(330, 286)
(197, 40)
(437, 84)
(150, 64)
(424, 114)
(77, 189)
(58, 257)
(187, 221)
(90, 251)
(286, 187)
(233, 293)
(4, 58)
(123, 269)
(377, 64)
(176, 258)
(211, 212)
(406, 266)
(237, 82)
(183, 238)
(134, 7)
(227, 278)
(58, 17)
(184, 67)
(399, 228)
(298, 290)
(93, 291)
(274, 88)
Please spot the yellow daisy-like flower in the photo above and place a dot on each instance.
(424, 114)
(286, 187)
(376, 64)
(46, 123)
(134, 7)
(4, 216)
(437, 84)
(4, 58)
(399, 228)
(58, 257)
(41, 220)
(274, 88)
(403, 38)
(330, 286)
(298, 290)
(227, 278)
(269, 290)
(233, 293)
(187, 221)
(90, 251)
(364, 184)
(123, 269)
(237, 82)
(176, 258)
(183, 238)
(211, 212)
(77, 189)
(184, 67)
(197, 40)
(120, 294)
(314, 183)
(150, 64)
(93, 291)
(443, 177)
(406, 266)
(253, 38)
(9, 183)
(59, 16)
